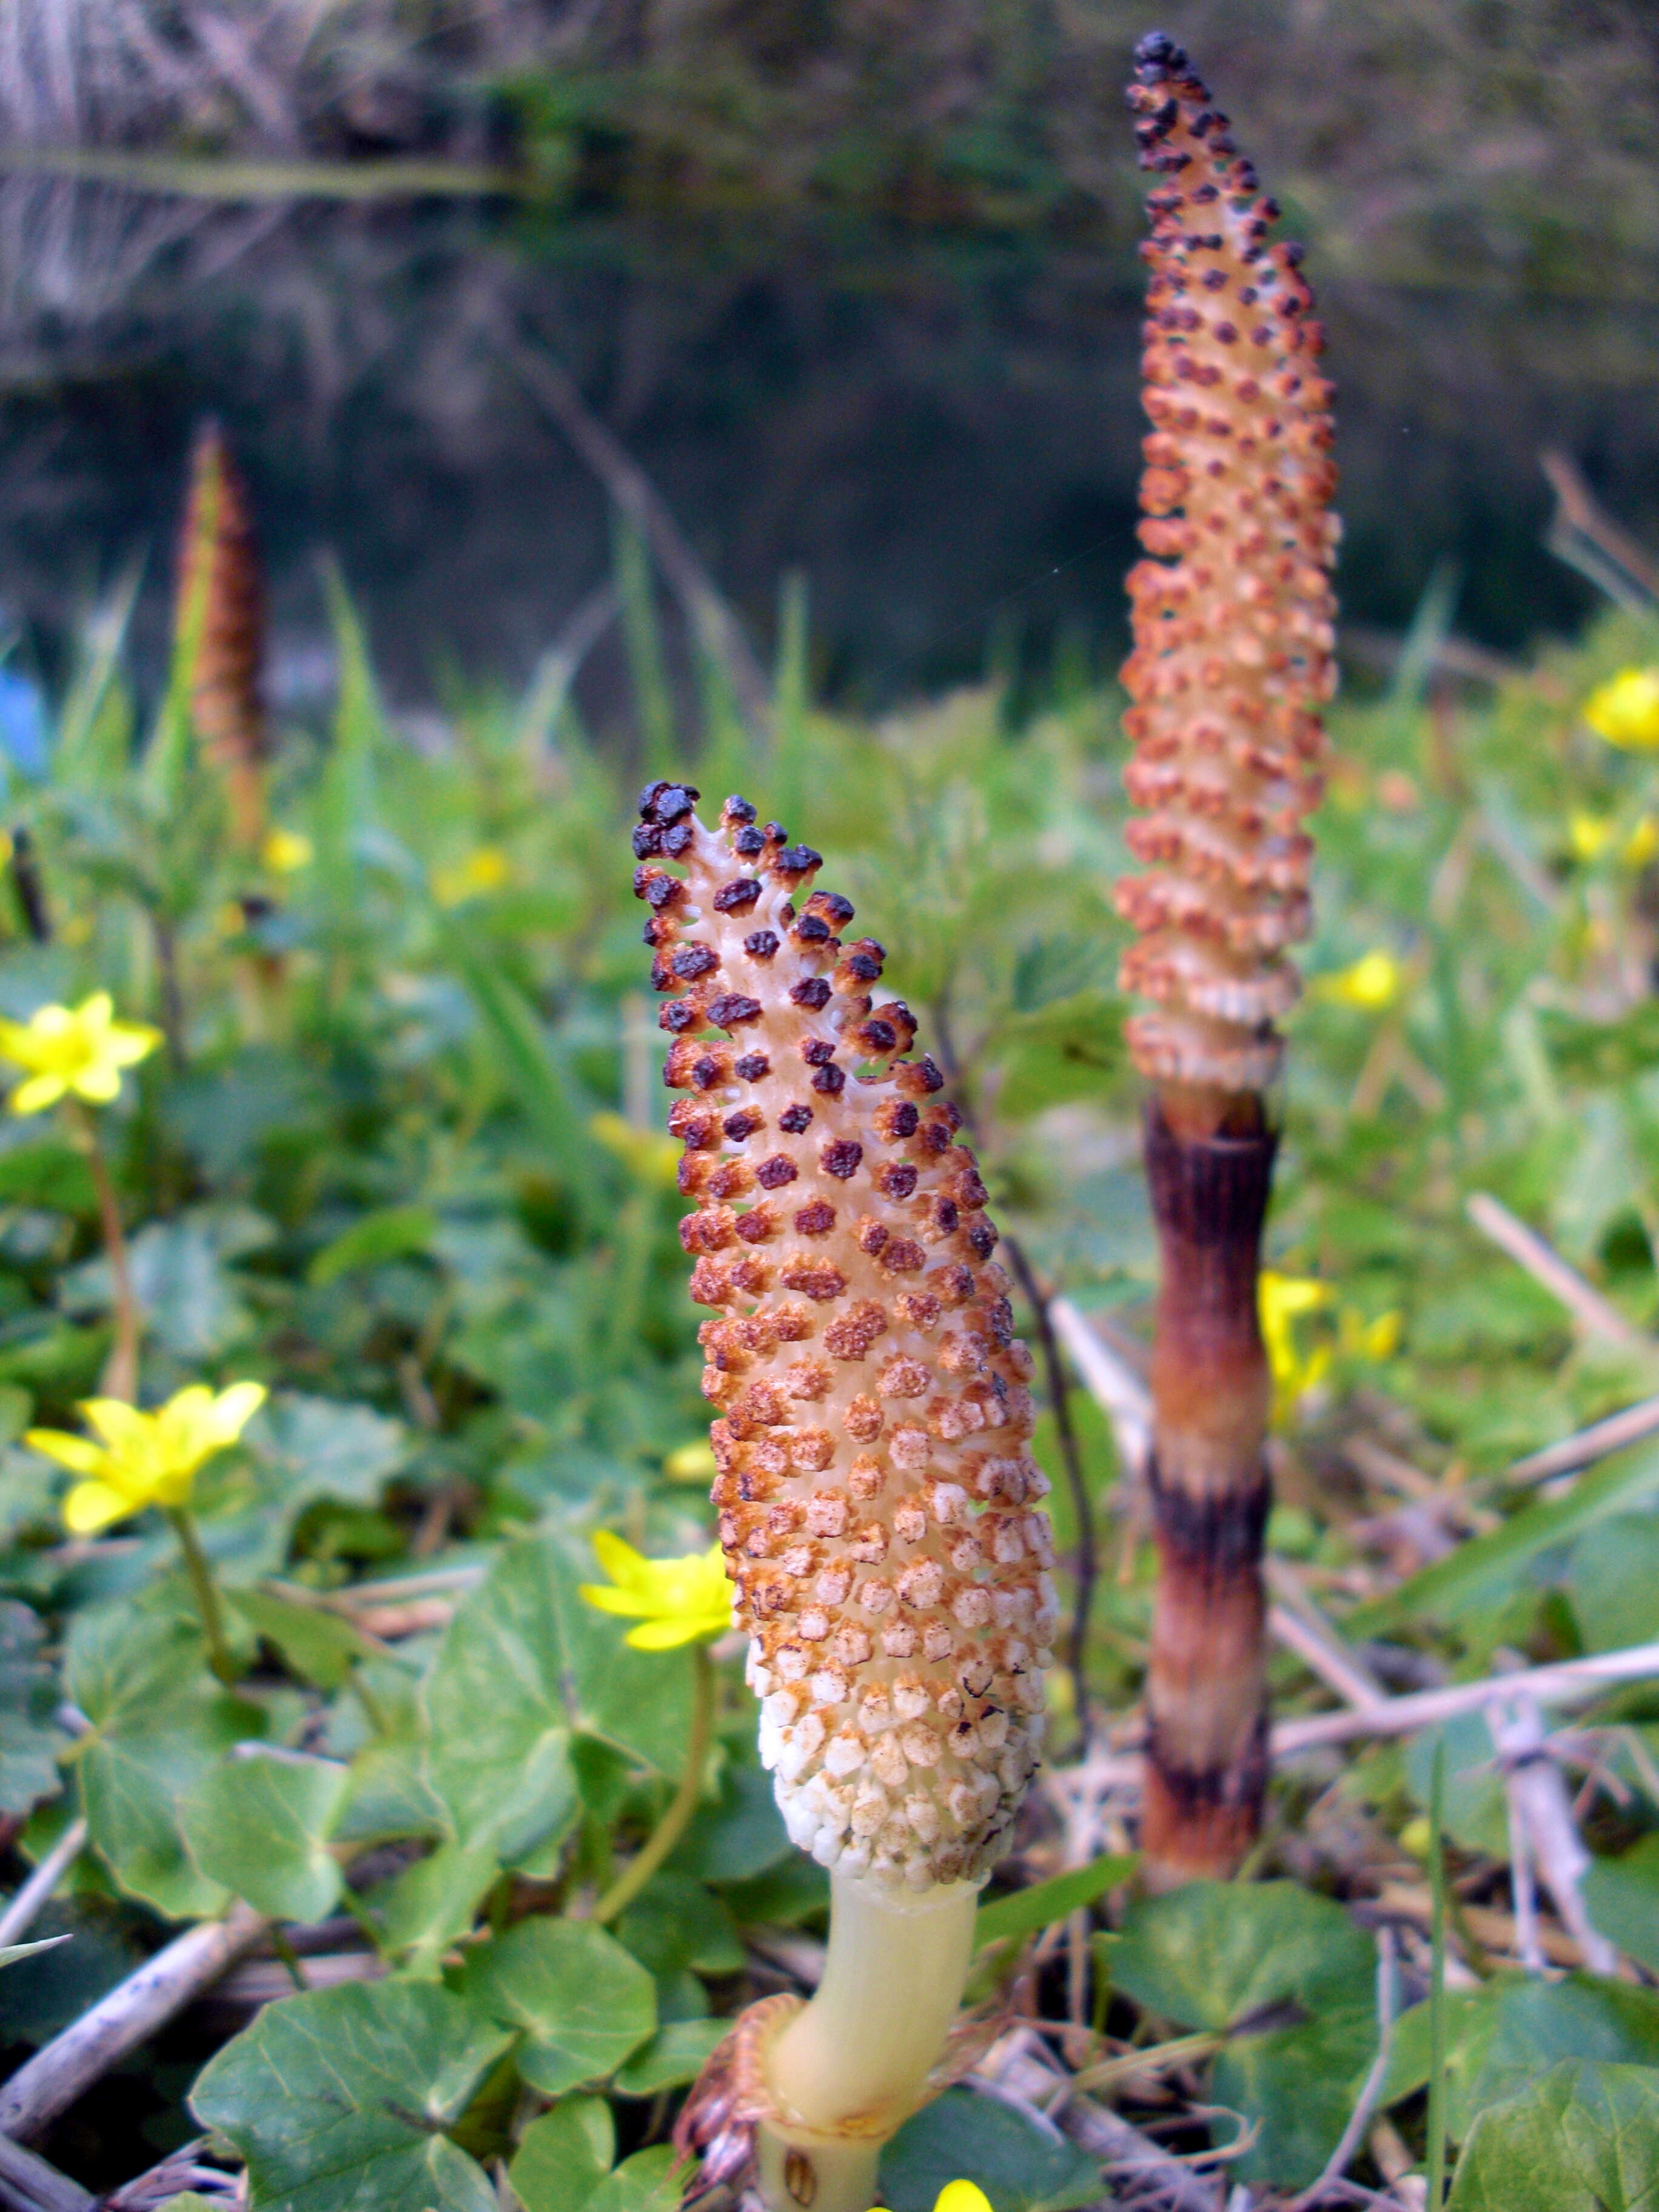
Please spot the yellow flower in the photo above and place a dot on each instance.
(285, 852)
(1373, 982)
(82, 1050)
(692, 1462)
(1589, 836)
(649, 1155)
(1625, 710)
(1360, 1339)
(962, 2196)
(1280, 1300)
(144, 1459)
(1641, 843)
(686, 1601)
(485, 869)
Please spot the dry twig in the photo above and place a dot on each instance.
(1594, 1314)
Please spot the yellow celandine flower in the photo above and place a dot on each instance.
(1625, 710)
(1372, 982)
(485, 869)
(692, 1462)
(144, 1459)
(685, 1600)
(83, 1049)
(1280, 1300)
(649, 1155)
(285, 852)
(1590, 835)
(1360, 1339)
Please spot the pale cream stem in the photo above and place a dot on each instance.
(846, 2073)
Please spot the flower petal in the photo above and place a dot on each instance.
(78, 1454)
(603, 1598)
(625, 1566)
(663, 1635)
(37, 1093)
(91, 1506)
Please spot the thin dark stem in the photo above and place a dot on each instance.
(1083, 1510)
(173, 997)
(673, 1823)
(1059, 1394)
(205, 1592)
(120, 1377)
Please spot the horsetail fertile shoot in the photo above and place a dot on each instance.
(876, 1494)
(1232, 660)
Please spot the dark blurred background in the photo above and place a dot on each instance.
(853, 280)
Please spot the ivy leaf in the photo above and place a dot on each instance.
(260, 1823)
(1500, 2037)
(338, 2100)
(647, 2182)
(29, 1740)
(159, 1722)
(1021, 2166)
(418, 1915)
(525, 1665)
(1621, 1896)
(1290, 1980)
(584, 2004)
(740, 1834)
(563, 2156)
(1585, 2138)
(309, 1447)
(319, 1647)
(676, 2054)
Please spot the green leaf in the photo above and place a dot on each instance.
(1070, 1048)
(1621, 1896)
(1482, 1564)
(47, 1173)
(563, 2156)
(30, 1740)
(319, 1646)
(192, 1306)
(1020, 2165)
(1501, 2036)
(392, 1233)
(1585, 2138)
(740, 1834)
(1613, 1582)
(309, 1447)
(676, 2054)
(1476, 1805)
(676, 1925)
(261, 1823)
(1214, 1955)
(1290, 1980)
(647, 2182)
(583, 2003)
(159, 1722)
(419, 1915)
(338, 2100)
(524, 1666)
(1023, 1911)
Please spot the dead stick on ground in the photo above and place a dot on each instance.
(1593, 1313)
(1545, 1836)
(1600, 1441)
(20, 1912)
(556, 390)
(28, 2184)
(1016, 2065)
(52, 2081)
(1569, 1679)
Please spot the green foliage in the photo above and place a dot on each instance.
(371, 1177)
(1585, 2138)
(340, 2101)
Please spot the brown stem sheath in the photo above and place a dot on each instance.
(1206, 1759)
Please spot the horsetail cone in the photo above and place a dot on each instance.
(221, 624)
(877, 1493)
(1232, 661)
